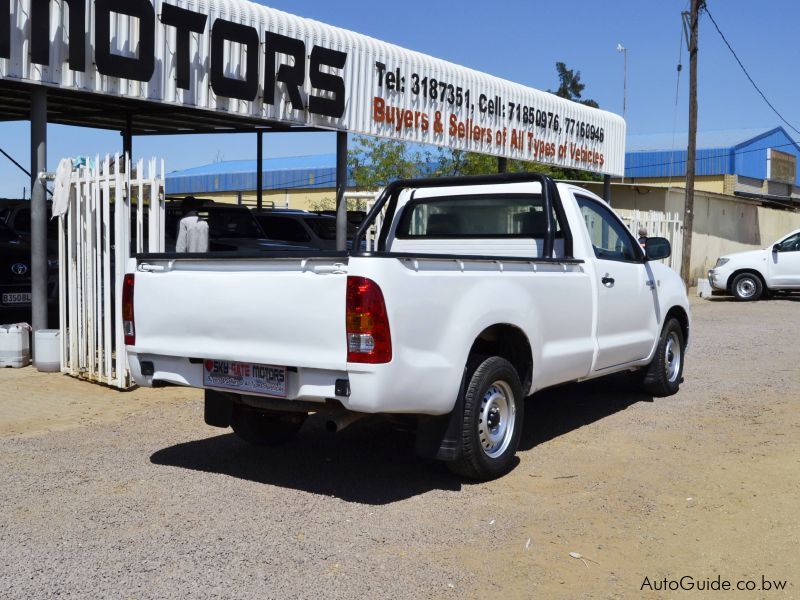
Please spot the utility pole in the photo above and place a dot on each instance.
(688, 211)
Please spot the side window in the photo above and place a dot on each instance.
(283, 229)
(791, 244)
(610, 238)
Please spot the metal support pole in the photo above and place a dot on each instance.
(127, 137)
(260, 169)
(341, 187)
(607, 188)
(502, 164)
(38, 209)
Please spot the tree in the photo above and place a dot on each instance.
(570, 86)
(375, 162)
(459, 162)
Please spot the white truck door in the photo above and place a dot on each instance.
(627, 307)
(785, 265)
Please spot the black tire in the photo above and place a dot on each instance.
(662, 377)
(265, 428)
(492, 421)
(747, 287)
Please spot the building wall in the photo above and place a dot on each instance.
(707, 183)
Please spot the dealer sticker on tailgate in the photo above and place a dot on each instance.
(245, 377)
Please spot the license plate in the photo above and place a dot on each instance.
(252, 378)
(17, 298)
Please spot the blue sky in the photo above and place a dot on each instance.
(521, 40)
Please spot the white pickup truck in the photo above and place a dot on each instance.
(480, 292)
(749, 275)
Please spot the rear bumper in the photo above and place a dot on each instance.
(385, 388)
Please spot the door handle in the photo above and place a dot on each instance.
(607, 280)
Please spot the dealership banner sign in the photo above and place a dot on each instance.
(241, 58)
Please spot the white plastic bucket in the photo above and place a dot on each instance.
(15, 345)
(47, 350)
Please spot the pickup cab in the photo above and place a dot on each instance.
(480, 291)
(748, 276)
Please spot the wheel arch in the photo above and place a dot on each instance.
(679, 313)
(511, 343)
(741, 271)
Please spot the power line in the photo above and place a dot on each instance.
(758, 89)
(677, 95)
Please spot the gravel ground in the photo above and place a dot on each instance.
(148, 502)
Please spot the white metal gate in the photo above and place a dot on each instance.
(112, 213)
(658, 224)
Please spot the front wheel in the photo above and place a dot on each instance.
(265, 428)
(663, 376)
(492, 421)
(747, 287)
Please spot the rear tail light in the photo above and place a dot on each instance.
(368, 337)
(128, 325)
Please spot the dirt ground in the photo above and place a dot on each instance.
(113, 494)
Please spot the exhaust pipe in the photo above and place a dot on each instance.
(339, 421)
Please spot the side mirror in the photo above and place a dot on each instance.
(776, 248)
(656, 248)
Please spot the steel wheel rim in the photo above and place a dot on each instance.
(498, 414)
(746, 287)
(672, 357)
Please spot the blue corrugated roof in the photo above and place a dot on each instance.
(292, 172)
(730, 152)
(312, 161)
(727, 138)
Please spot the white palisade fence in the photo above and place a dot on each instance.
(658, 224)
(113, 213)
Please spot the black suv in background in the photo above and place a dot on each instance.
(17, 215)
(231, 228)
(316, 230)
(15, 279)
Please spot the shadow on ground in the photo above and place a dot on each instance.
(556, 411)
(372, 462)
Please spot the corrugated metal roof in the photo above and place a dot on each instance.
(733, 152)
(346, 96)
(294, 172)
(311, 161)
(728, 138)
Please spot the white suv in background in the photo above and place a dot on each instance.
(749, 275)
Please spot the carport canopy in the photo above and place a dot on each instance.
(155, 67)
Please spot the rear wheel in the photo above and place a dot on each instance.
(747, 287)
(492, 421)
(265, 428)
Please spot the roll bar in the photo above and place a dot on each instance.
(390, 195)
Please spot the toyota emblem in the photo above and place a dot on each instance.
(19, 268)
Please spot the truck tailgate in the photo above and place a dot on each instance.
(288, 312)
